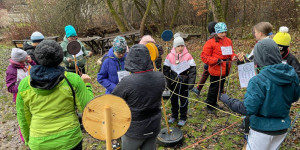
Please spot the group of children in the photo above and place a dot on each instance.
(126, 73)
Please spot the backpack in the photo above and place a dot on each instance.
(101, 60)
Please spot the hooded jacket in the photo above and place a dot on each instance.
(70, 66)
(142, 91)
(107, 75)
(271, 93)
(212, 53)
(30, 50)
(46, 109)
(15, 72)
(170, 67)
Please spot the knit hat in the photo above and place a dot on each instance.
(211, 27)
(220, 27)
(266, 52)
(119, 44)
(146, 39)
(70, 31)
(178, 41)
(18, 55)
(49, 53)
(37, 37)
(282, 38)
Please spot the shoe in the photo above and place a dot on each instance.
(172, 120)
(181, 123)
(115, 145)
(196, 91)
(211, 110)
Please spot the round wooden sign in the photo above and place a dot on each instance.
(167, 35)
(153, 51)
(93, 118)
(73, 47)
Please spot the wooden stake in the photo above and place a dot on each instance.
(108, 128)
(76, 69)
(165, 115)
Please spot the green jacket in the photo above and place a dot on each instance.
(70, 66)
(47, 118)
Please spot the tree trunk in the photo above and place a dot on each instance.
(175, 14)
(219, 10)
(142, 26)
(115, 16)
(122, 15)
(213, 10)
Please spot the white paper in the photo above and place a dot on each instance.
(122, 74)
(78, 54)
(226, 50)
(246, 72)
(181, 67)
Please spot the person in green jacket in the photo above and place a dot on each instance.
(47, 102)
(68, 60)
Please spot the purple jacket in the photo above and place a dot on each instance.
(13, 76)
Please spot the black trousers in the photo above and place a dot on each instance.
(213, 91)
(180, 90)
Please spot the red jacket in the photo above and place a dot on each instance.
(212, 52)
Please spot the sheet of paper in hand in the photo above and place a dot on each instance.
(79, 53)
(181, 67)
(122, 74)
(246, 72)
(226, 50)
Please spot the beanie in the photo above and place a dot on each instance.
(178, 41)
(146, 39)
(266, 52)
(282, 38)
(49, 53)
(18, 55)
(119, 44)
(36, 37)
(70, 31)
(220, 27)
(211, 27)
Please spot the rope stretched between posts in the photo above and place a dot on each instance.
(212, 135)
(206, 104)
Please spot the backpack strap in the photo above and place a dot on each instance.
(73, 92)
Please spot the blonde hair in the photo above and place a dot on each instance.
(264, 27)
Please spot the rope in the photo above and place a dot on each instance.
(212, 135)
(289, 129)
(206, 104)
(204, 83)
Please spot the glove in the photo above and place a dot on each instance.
(224, 98)
(220, 61)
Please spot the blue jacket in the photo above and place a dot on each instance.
(269, 97)
(107, 75)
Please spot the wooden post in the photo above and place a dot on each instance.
(154, 65)
(108, 128)
(165, 115)
(76, 69)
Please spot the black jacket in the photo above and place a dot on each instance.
(142, 91)
(293, 61)
(30, 50)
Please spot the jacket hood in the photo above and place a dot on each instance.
(138, 59)
(46, 78)
(266, 52)
(27, 46)
(280, 74)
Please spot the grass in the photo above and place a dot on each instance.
(200, 124)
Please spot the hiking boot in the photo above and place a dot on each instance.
(211, 110)
(172, 120)
(196, 91)
(181, 123)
